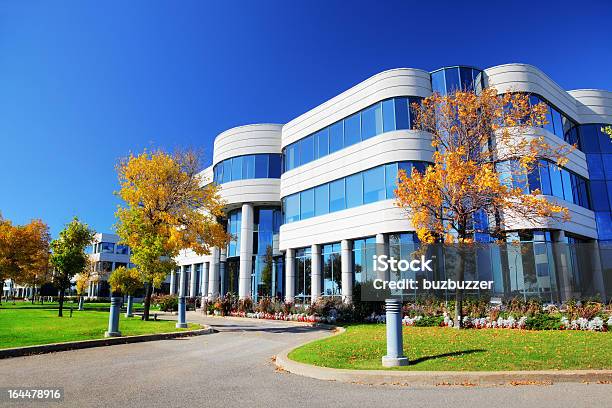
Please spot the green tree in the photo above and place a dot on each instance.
(68, 256)
(167, 208)
(125, 280)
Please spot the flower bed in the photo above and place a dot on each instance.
(291, 317)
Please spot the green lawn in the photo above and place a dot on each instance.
(441, 348)
(67, 305)
(21, 326)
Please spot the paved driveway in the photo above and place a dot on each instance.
(233, 368)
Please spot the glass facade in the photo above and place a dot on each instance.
(332, 269)
(248, 167)
(559, 123)
(303, 275)
(233, 228)
(265, 279)
(363, 250)
(365, 187)
(597, 147)
(450, 79)
(550, 179)
(388, 115)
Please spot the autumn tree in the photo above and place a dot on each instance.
(81, 284)
(167, 209)
(68, 256)
(485, 149)
(24, 253)
(127, 281)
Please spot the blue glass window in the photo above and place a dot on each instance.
(274, 168)
(555, 181)
(292, 208)
(557, 122)
(589, 140)
(307, 204)
(604, 225)
(336, 196)
(227, 171)
(371, 121)
(248, 166)
(567, 186)
(354, 190)
(306, 150)
(466, 78)
(322, 143)
(336, 137)
(322, 199)
(452, 80)
(261, 166)
(599, 196)
(290, 157)
(545, 179)
(388, 110)
(352, 130)
(390, 179)
(237, 168)
(401, 113)
(437, 82)
(374, 185)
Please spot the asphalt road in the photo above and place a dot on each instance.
(233, 368)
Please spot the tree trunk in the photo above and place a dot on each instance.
(61, 303)
(459, 292)
(147, 303)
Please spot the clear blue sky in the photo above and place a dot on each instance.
(83, 83)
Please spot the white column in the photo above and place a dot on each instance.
(213, 274)
(205, 280)
(346, 261)
(246, 251)
(316, 286)
(194, 280)
(290, 275)
(172, 282)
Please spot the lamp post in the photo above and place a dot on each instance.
(395, 352)
(113, 318)
(181, 323)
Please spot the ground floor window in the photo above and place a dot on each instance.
(332, 269)
(303, 275)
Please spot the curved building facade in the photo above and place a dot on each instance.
(307, 200)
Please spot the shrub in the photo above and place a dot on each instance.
(429, 321)
(543, 321)
(166, 303)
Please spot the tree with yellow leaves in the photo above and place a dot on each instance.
(127, 281)
(475, 136)
(167, 209)
(24, 253)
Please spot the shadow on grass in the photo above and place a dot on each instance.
(453, 354)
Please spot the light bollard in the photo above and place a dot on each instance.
(128, 312)
(395, 348)
(181, 322)
(113, 318)
(81, 302)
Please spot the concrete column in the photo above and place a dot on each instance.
(173, 282)
(561, 259)
(290, 275)
(113, 318)
(346, 261)
(316, 286)
(395, 347)
(204, 281)
(223, 271)
(181, 322)
(382, 248)
(213, 274)
(194, 280)
(246, 250)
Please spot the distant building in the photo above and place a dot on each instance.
(106, 256)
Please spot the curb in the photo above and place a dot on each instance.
(438, 378)
(110, 341)
(324, 326)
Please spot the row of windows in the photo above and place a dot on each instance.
(448, 80)
(366, 187)
(266, 225)
(110, 248)
(248, 167)
(550, 180)
(558, 124)
(385, 116)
